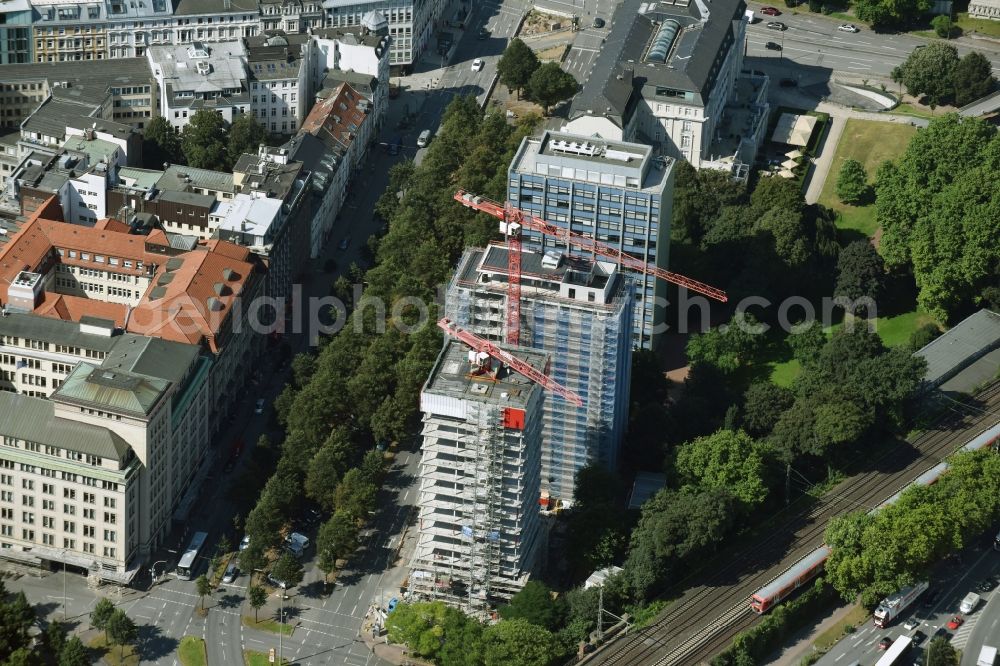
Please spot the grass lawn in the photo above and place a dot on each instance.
(267, 624)
(982, 26)
(113, 654)
(192, 652)
(784, 373)
(857, 617)
(254, 658)
(907, 109)
(870, 142)
(896, 329)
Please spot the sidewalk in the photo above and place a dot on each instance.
(803, 645)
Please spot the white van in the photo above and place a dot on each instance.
(969, 603)
(424, 138)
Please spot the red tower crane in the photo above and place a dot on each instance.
(480, 345)
(514, 219)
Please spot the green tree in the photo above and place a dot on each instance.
(288, 570)
(204, 587)
(928, 71)
(328, 467)
(23, 657)
(860, 271)
(549, 85)
(16, 618)
(942, 25)
(517, 642)
(852, 183)
(245, 136)
(101, 614)
(161, 144)
(257, 596)
(372, 466)
(337, 539)
(303, 367)
(204, 141)
(534, 603)
(252, 558)
(725, 460)
(55, 638)
(74, 653)
(941, 652)
(973, 78)
(355, 495)
(516, 65)
(121, 630)
(728, 347)
(763, 403)
(924, 335)
(675, 527)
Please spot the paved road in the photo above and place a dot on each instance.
(952, 582)
(813, 40)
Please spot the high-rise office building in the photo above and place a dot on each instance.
(580, 313)
(479, 532)
(616, 192)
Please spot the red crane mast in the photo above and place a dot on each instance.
(480, 345)
(514, 219)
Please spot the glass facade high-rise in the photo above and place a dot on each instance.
(614, 191)
(579, 312)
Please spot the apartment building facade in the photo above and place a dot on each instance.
(479, 536)
(617, 192)
(15, 32)
(578, 312)
(410, 24)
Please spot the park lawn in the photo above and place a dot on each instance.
(785, 372)
(870, 142)
(982, 26)
(191, 652)
(896, 329)
(268, 624)
(113, 654)
(907, 109)
(254, 658)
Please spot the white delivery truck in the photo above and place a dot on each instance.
(893, 605)
(987, 656)
(969, 603)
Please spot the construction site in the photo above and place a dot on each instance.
(479, 527)
(578, 311)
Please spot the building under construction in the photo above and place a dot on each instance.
(579, 312)
(479, 531)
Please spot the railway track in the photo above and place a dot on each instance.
(714, 606)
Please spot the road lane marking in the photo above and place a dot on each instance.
(842, 655)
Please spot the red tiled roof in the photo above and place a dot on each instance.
(192, 305)
(111, 224)
(331, 118)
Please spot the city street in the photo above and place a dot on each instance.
(951, 581)
(813, 41)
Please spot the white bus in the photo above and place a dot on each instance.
(189, 560)
(894, 655)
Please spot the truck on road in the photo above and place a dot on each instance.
(893, 605)
(987, 656)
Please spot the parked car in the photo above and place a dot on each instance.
(278, 583)
(772, 46)
(911, 624)
(848, 27)
(296, 544)
(598, 22)
(232, 573)
(478, 64)
(956, 622)
(918, 637)
(483, 34)
(770, 11)
(987, 585)
(969, 603)
(424, 138)
(884, 643)
(392, 605)
(259, 406)
(245, 543)
(776, 25)
(344, 244)
(930, 597)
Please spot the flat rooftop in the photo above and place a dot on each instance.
(592, 160)
(453, 377)
(970, 339)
